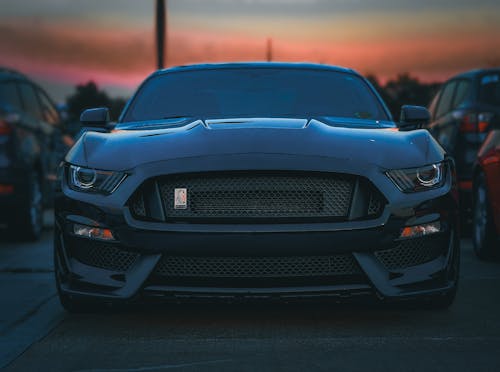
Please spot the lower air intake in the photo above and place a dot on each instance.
(412, 252)
(102, 255)
(257, 267)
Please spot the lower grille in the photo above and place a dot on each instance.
(257, 267)
(412, 252)
(99, 254)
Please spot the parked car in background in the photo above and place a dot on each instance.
(31, 146)
(461, 116)
(486, 186)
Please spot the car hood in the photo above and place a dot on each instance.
(344, 140)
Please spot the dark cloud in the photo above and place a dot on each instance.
(322, 7)
(142, 11)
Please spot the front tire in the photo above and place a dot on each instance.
(69, 303)
(444, 301)
(28, 223)
(483, 230)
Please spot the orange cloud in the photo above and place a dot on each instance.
(74, 53)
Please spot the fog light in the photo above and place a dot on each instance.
(92, 232)
(421, 230)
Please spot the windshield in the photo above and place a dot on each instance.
(490, 89)
(255, 92)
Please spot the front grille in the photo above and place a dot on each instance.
(412, 252)
(256, 197)
(100, 254)
(257, 267)
(259, 196)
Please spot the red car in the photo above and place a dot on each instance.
(486, 209)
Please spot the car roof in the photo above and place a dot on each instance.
(242, 65)
(8, 73)
(477, 72)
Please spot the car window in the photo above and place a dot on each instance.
(462, 93)
(489, 91)
(30, 100)
(9, 95)
(255, 92)
(49, 112)
(444, 105)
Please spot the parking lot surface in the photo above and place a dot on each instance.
(37, 335)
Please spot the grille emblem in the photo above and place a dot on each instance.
(180, 198)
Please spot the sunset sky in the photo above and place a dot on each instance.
(60, 43)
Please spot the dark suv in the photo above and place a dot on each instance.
(31, 145)
(462, 115)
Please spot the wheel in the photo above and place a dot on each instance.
(465, 215)
(436, 302)
(444, 301)
(465, 223)
(28, 223)
(69, 303)
(483, 229)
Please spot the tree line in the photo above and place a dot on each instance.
(404, 90)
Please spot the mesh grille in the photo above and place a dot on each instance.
(375, 204)
(259, 196)
(257, 267)
(411, 252)
(137, 204)
(103, 255)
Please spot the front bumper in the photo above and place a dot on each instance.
(387, 267)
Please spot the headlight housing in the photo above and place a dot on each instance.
(419, 179)
(94, 180)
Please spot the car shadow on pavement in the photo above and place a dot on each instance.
(265, 316)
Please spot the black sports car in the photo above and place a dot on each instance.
(256, 180)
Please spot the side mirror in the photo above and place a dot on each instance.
(96, 117)
(413, 117)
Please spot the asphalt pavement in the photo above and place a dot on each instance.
(37, 335)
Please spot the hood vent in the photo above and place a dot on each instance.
(257, 123)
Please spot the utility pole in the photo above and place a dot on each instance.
(269, 52)
(161, 37)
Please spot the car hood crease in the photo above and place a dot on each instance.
(382, 147)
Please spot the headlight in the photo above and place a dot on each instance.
(94, 180)
(419, 179)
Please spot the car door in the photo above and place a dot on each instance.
(56, 148)
(36, 149)
(11, 132)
